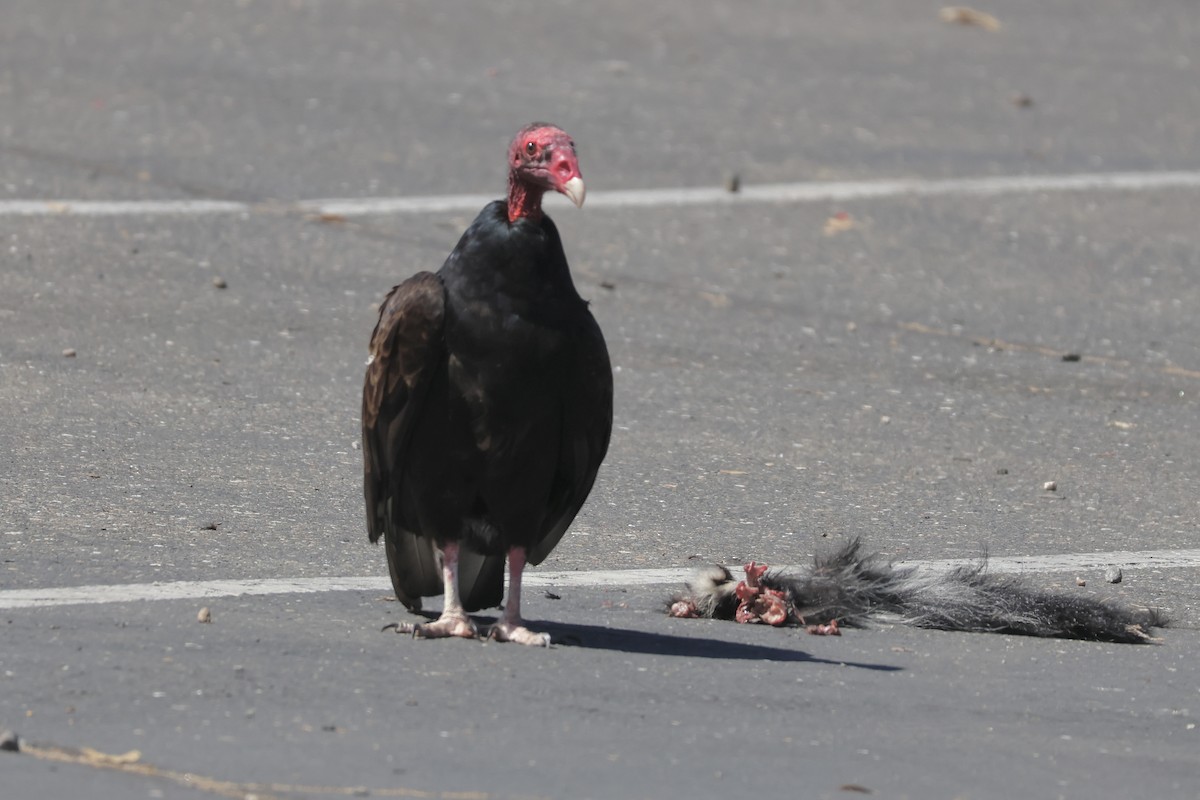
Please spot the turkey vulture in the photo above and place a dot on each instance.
(487, 405)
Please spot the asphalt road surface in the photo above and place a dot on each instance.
(184, 312)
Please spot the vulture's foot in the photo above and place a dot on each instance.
(504, 631)
(444, 627)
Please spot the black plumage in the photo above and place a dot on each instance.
(487, 404)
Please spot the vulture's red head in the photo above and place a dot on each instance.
(541, 158)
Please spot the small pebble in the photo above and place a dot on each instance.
(1113, 575)
(10, 742)
(69, 352)
(1050, 486)
(204, 616)
(220, 283)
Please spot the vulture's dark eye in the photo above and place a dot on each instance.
(530, 148)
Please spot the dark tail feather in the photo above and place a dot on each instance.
(850, 588)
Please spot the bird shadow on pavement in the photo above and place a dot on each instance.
(626, 640)
(633, 641)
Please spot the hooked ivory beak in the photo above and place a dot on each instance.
(574, 189)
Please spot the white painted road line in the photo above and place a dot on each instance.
(198, 590)
(183, 590)
(1071, 562)
(116, 208)
(804, 192)
(366, 206)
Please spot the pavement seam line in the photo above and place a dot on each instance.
(1042, 350)
(131, 763)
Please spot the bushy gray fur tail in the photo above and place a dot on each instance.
(851, 588)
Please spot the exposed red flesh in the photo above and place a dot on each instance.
(760, 604)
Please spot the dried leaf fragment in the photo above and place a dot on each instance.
(964, 15)
(90, 756)
(715, 299)
(839, 223)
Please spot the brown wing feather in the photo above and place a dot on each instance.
(407, 347)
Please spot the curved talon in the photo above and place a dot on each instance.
(401, 627)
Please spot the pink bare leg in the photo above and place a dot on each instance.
(510, 627)
(454, 620)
